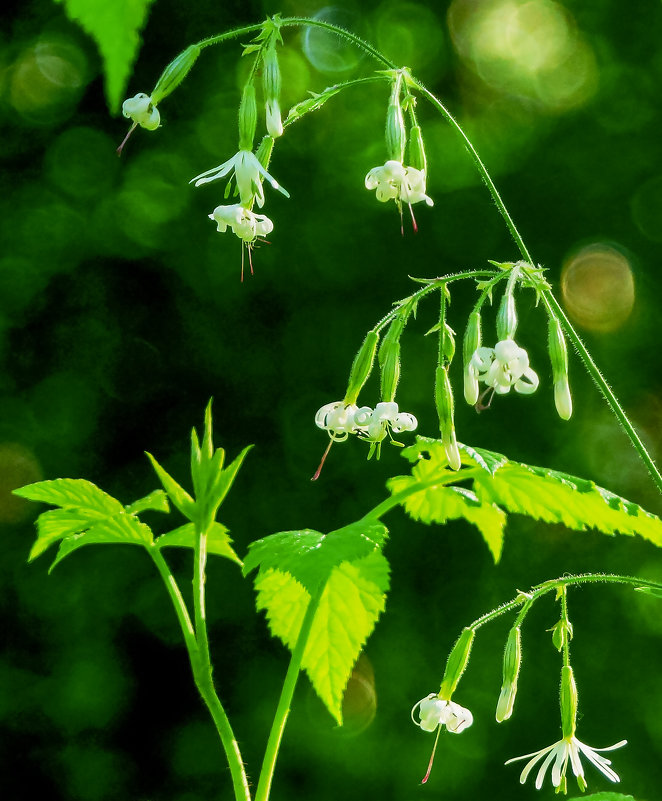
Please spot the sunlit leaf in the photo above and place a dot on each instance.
(115, 26)
(70, 493)
(156, 501)
(218, 540)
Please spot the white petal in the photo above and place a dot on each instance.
(528, 386)
(216, 172)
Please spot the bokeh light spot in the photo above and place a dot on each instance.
(598, 287)
(326, 51)
(18, 467)
(46, 78)
(82, 162)
(527, 48)
(409, 33)
(359, 704)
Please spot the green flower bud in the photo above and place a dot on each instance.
(271, 86)
(561, 634)
(470, 345)
(247, 117)
(457, 662)
(568, 701)
(396, 133)
(448, 344)
(264, 151)
(512, 659)
(443, 395)
(558, 354)
(417, 157)
(175, 73)
(506, 318)
(389, 360)
(362, 367)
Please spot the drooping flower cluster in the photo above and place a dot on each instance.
(503, 367)
(569, 749)
(433, 712)
(394, 181)
(373, 425)
(244, 223)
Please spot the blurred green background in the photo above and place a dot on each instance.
(121, 313)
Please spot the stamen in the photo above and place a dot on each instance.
(434, 749)
(126, 139)
(480, 406)
(319, 469)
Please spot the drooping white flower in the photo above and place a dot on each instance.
(385, 418)
(504, 366)
(393, 181)
(142, 111)
(244, 223)
(569, 749)
(248, 173)
(433, 713)
(338, 419)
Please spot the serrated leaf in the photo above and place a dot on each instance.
(54, 525)
(122, 529)
(560, 498)
(156, 501)
(177, 494)
(309, 556)
(218, 540)
(114, 25)
(352, 600)
(439, 503)
(72, 493)
(502, 486)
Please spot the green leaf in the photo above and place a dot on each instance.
(177, 494)
(351, 576)
(114, 25)
(603, 797)
(438, 503)
(500, 486)
(156, 501)
(123, 528)
(654, 591)
(55, 525)
(71, 493)
(353, 598)
(218, 540)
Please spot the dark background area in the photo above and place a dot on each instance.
(122, 313)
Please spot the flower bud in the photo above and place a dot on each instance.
(271, 86)
(142, 110)
(457, 662)
(417, 157)
(512, 659)
(568, 701)
(448, 344)
(506, 323)
(264, 151)
(362, 366)
(558, 354)
(396, 134)
(389, 360)
(443, 395)
(247, 117)
(561, 634)
(470, 345)
(175, 73)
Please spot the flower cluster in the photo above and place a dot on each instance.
(433, 712)
(393, 181)
(504, 366)
(244, 223)
(569, 749)
(373, 425)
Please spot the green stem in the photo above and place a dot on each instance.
(285, 701)
(552, 585)
(564, 617)
(199, 603)
(201, 667)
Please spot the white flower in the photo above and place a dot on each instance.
(567, 750)
(393, 181)
(504, 366)
(338, 419)
(244, 223)
(248, 173)
(274, 121)
(142, 111)
(433, 713)
(383, 419)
